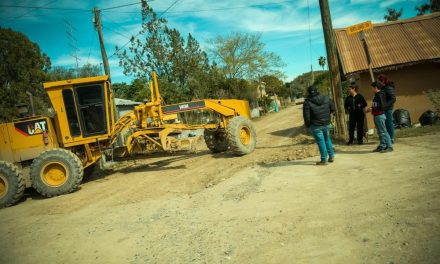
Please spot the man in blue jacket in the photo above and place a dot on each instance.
(317, 110)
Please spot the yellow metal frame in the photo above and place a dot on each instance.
(147, 122)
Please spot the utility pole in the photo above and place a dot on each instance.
(333, 64)
(98, 26)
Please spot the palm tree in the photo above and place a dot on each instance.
(322, 62)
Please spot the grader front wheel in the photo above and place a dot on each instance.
(241, 135)
(56, 172)
(11, 184)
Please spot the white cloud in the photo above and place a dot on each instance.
(67, 60)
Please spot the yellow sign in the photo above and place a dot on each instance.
(359, 27)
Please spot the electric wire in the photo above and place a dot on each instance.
(28, 12)
(220, 8)
(161, 15)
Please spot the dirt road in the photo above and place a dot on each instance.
(266, 207)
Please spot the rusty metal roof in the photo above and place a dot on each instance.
(395, 43)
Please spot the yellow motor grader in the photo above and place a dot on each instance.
(51, 153)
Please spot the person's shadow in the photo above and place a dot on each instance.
(287, 163)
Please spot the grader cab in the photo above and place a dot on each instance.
(51, 153)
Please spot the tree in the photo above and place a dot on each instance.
(423, 9)
(273, 84)
(23, 68)
(90, 70)
(300, 83)
(242, 55)
(136, 91)
(322, 62)
(182, 66)
(62, 73)
(393, 14)
(435, 5)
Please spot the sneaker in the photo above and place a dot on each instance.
(387, 150)
(331, 159)
(349, 143)
(321, 163)
(360, 143)
(378, 149)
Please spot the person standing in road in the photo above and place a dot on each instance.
(317, 110)
(354, 105)
(377, 109)
(390, 97)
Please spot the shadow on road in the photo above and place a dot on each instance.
(287, 163)
(353, 151)
(289, 132)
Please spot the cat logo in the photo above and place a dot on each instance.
(30, 128)
(183, 106)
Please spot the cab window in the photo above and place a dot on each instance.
(91, 109)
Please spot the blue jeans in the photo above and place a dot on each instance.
(389, 122)
(322, 137)
(385, 140)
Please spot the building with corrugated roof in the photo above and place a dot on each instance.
(123, 106)
(406, 51)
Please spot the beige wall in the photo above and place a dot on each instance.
(411, 84)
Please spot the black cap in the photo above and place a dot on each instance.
(312, 90)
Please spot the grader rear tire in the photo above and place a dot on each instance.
(241, 135)
(216, 141)
(56, 172)
(11, 184)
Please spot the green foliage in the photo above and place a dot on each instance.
(136, 91)
(322, 62)
(423, 9)
(62, 73)
(242, 55)
(322, 82)
(393, 14)
(182, 66)
(273, 84)
(435, 5)
(23, 68)
(434, 97)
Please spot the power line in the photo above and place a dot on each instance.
(66, 9)
(45, 8)
(115, 7)
(221, 8)
(116, 32)
(163, 13)
(29, 11)
(118, 25)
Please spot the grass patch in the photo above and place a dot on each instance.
(417, 131)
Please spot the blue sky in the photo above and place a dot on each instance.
(283, 25)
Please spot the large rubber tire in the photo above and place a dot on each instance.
(11, 184)
(216, 141)
(56, 172)
(241, 135)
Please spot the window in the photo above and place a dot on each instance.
(72, 117)
(91, 109)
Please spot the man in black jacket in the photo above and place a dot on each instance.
(354, 105)
(317, 110)
(377, 109)
(390, 98)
